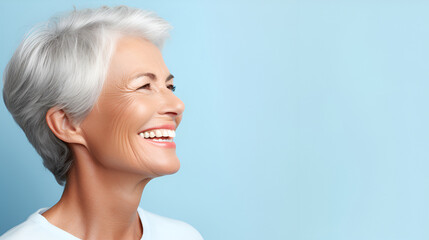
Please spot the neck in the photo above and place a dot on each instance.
(98, 203)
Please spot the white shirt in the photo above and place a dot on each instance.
(155, 227)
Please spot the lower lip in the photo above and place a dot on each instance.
(162, 144)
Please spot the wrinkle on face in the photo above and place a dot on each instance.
(123, 110)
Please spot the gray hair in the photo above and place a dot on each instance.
(63, 63)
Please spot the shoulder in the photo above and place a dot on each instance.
(25, 230)
(21, 231)
(37, 228)
(161, 227)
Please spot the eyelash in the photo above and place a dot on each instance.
(171, 87)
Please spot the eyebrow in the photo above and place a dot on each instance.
(152, 76)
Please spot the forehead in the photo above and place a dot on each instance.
(134, 55)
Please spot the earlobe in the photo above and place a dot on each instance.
(63, 127)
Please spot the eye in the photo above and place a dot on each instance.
(172, 87)
(145, 86)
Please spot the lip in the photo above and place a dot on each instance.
(161, 144)
(165, 126)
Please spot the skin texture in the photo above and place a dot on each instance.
(112, 163)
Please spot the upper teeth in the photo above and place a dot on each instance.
(158, 133)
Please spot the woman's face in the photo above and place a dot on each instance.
(137, 95)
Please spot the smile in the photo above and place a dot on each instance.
(159, 135)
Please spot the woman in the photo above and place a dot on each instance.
(93, 95)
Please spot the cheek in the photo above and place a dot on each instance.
(104, 133)
(114, 138)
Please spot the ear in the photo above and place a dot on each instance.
(63, 127)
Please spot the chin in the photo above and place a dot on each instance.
(167, 167)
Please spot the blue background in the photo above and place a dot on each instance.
(304, 119)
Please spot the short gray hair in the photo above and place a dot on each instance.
(63, 63)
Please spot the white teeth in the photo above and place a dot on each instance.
(165, 133)
(162, 140)
(158, 133)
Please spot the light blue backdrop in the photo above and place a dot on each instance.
(304, 119)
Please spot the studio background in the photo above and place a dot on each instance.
(304, 120)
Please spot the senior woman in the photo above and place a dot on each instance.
(94, 97)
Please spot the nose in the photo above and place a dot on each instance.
(172, 105)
